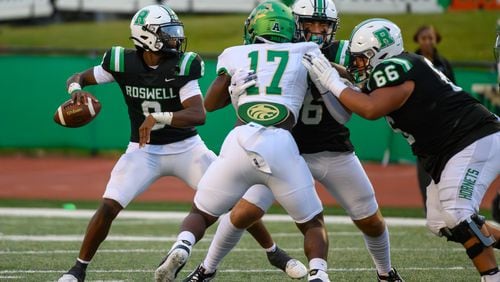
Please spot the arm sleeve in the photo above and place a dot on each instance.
(336, 110)
(102, 76)
(190, 89)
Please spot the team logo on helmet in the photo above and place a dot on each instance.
(384, 37)
(141, 17)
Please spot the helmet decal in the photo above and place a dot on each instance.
(141, 17)
(276, 27)
(384, 37)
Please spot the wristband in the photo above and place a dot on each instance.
(73, 86)
(163, 117)
(337, 86)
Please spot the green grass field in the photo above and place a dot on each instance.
(466, 35)
(41, 248)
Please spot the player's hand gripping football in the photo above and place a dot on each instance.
(323, 74)
(240, 81)
(81, 96)
(145, 130)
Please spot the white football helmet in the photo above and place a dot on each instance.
(316, 10)
(376, 40)
(157, 28)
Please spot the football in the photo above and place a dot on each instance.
(70, 114)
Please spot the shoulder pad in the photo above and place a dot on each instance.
(390, 72)
(114, 59)
(191, 64)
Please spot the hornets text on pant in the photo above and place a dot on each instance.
(467, 186)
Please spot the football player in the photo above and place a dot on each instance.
(325, 145)
(495, 205)
(260, 149)
(159, 83)
(457, 139)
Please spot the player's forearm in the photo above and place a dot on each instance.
(213, 103)
(360, 103)
(183, 118)
(189, 117)
(82, 78)
(217, 96)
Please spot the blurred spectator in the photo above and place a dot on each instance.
(427, 37)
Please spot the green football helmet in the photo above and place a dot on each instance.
(272, 21)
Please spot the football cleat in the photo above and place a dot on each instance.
(392, 276)
(75, 274)
(173, 262)
(199, 274)
(316, 275)
(292, 267)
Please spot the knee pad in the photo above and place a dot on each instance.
(469, 228)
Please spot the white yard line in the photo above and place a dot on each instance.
(204, 250)
(61, 213)
(28, 271)
(128, 238)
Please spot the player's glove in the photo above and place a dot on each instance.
(323, 74)
(240, 81)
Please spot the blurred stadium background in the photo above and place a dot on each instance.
(43, 42)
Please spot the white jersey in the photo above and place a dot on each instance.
(281, 79)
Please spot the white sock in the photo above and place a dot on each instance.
(185, 236)
(82, 261)
(272, 249)
(318, 263)
(493, 278)
(225, 238)
(380, 250)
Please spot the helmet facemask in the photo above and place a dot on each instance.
(325, 37)
(360, 66)
(172, 37)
